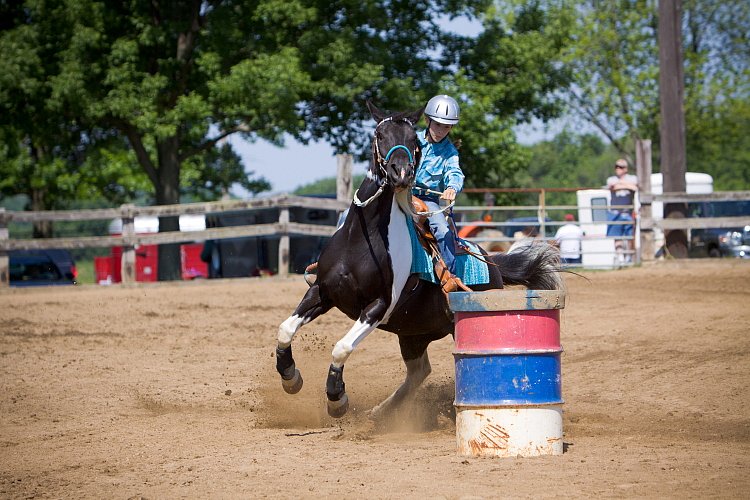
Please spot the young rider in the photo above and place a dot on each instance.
(439, 171)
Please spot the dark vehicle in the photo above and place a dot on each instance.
(529, 226)
(255, 256)
(42, 268)
(720, 242)
(495, 238)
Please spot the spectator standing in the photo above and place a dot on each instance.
(622, 187)
(568, 239)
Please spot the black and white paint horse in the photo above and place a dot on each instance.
(364, 271)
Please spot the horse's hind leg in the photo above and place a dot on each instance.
(414, 353)
(308, 309)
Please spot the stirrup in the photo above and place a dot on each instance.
(449, 282)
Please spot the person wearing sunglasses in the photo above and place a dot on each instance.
(622, 187)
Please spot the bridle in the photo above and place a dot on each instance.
(382, 161)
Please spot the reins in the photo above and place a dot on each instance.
(369, 200)
(430, 214)
(465, 248)
(477, 256)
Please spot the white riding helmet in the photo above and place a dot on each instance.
(443, 109)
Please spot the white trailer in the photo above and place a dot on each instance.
(598, 251)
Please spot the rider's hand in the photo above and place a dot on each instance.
(449, 194)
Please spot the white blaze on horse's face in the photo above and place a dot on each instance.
(400, 171)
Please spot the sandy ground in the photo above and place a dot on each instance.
(170, 391)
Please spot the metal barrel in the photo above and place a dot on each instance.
(508, 374)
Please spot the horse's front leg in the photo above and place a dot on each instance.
(338, 401)
(308, 309)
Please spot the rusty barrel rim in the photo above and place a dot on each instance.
(506, 300)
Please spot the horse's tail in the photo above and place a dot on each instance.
(535, 265)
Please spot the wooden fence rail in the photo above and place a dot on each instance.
(283, 228)
(647, 199)
(129, 240)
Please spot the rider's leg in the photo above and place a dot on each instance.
(444, 236)
(615, 231)
(629, 244)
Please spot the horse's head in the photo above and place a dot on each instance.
(395, 150)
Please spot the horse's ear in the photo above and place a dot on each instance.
(376, 113)
(414, 116)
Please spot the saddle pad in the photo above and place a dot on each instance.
(471, 270)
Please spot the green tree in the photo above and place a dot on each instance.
(508, 75)
(211, 175)
(171, 80)
(326, 186)
(614, 60)
(569, 160)
(176, 78)
(505, 75)
(40, 136)
(48, 152)
(716, 41)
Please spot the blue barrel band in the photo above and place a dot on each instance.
(508, 379)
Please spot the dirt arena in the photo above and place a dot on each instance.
(170, 391)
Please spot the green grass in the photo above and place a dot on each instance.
(86, 274)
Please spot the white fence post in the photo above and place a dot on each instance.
(128, 247)
(643, 166)
(284, 244)
(4, 259)
(344, 188)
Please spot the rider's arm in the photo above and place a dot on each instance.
(454, 177)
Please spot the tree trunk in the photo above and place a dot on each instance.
(168, 193)
(671, 91)
(42, 228)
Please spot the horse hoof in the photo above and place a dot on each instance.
(294, 384)
(338, 409)
(376, 414)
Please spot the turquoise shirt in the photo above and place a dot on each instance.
(439, 168)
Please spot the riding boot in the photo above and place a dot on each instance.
(449, 282)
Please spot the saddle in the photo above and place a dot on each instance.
(448, 281)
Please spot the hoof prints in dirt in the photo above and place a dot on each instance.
(432, 410)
